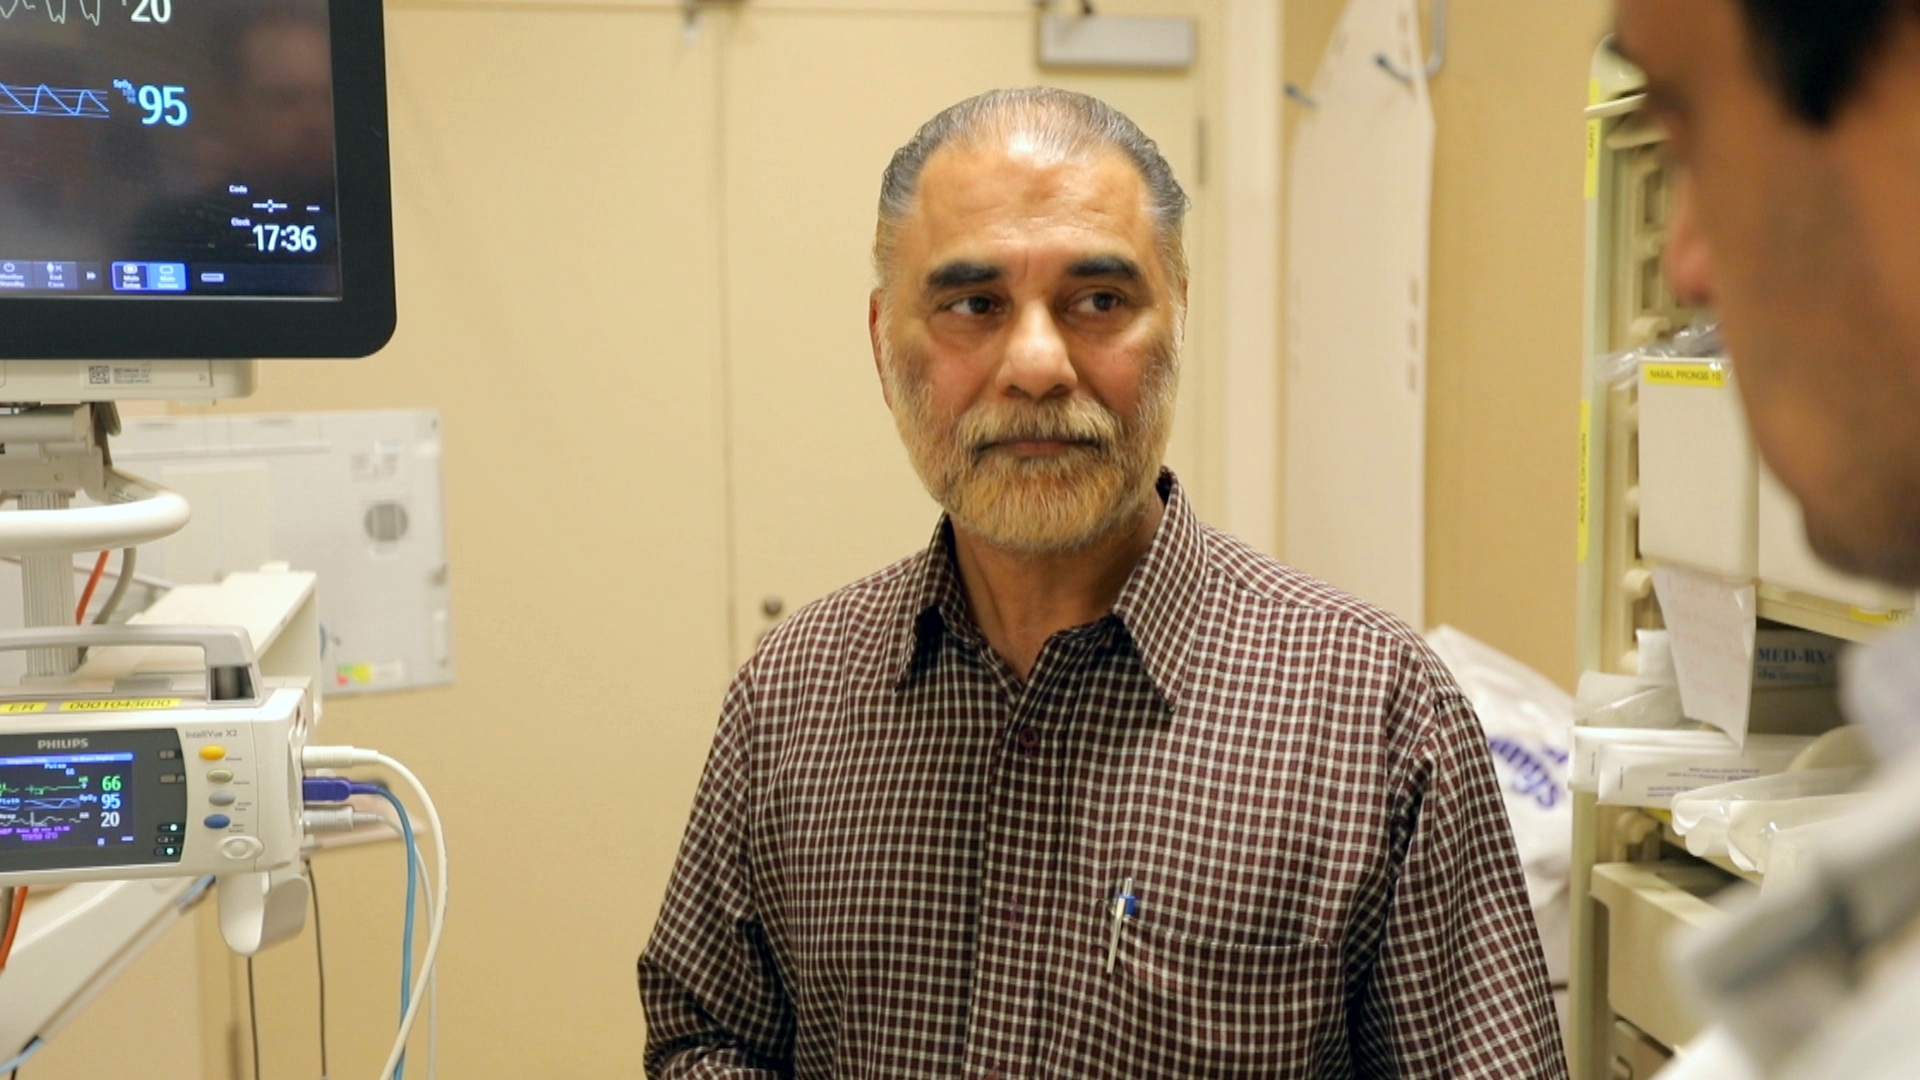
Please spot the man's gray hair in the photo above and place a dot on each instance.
(1061, 124)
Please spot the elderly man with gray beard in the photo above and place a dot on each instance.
(1086, 788)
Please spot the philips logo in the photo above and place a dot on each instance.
(63, 744)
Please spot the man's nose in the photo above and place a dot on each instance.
(1036, 364)
(1689, 264)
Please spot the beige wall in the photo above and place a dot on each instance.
(587, 514)
(572, 361)
(1504, 334)
(562, 304)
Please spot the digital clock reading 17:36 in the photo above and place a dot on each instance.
(294, 239)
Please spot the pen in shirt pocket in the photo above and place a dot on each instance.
(1125, 906)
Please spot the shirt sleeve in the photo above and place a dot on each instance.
(714, 1001)
(1458, 988)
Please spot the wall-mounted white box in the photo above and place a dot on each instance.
(1153, 43)
(1787, 561)
(1698, 470)
(354, 497)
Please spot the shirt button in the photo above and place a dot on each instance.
(1013, 912)
(1029, 741)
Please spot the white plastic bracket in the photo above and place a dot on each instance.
(260, 910)
(53, 449)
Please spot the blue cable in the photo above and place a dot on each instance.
(200, 888)
(406, 940)
(26, 1052)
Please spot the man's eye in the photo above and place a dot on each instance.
(972, 305)
(1101, 303)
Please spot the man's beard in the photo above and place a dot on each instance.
(1046, 504)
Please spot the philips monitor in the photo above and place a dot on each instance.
(191, 180)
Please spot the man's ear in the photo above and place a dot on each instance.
(874, 301)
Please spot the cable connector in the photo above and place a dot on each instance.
(319, 790)
(337, 757)
(331, 819)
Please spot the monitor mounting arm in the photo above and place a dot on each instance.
(49, 454)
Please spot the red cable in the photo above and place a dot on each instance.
(99, 568)
(13, 925)
(20, 894)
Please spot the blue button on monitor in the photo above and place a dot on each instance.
(149, 277)
(218, 821)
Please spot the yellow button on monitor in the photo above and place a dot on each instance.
(213, 753)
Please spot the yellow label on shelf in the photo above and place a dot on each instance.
(120, 705)
(1712, 376)
(1586, 474)
(1881, 618)
(15, 708)
(1593, 142)
(1593, 160)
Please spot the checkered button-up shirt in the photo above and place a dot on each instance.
(904, 860)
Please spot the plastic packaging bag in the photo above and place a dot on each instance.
(1655, 651)
(1753, 826)
(1646, 774)
(1701, 341)
(1588, 742)
(1528, 721)
(1792, 691)
(1794, 852)
(1642, 706)
(1715, 1054)
(1702, 815)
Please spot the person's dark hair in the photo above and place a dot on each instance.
(1817, 52)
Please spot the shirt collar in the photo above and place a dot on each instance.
(1156, 606)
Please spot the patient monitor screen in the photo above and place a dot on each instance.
(167, 148)
(98, 798)
(67, 801)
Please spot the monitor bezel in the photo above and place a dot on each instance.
(357, 323)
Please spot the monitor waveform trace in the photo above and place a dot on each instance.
(44, 100)
(52, 804)
(29, 818)
(57, 11)
(36, 789)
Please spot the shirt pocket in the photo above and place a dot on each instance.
(1203, 1006)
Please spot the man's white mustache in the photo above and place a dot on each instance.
(981, 434)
